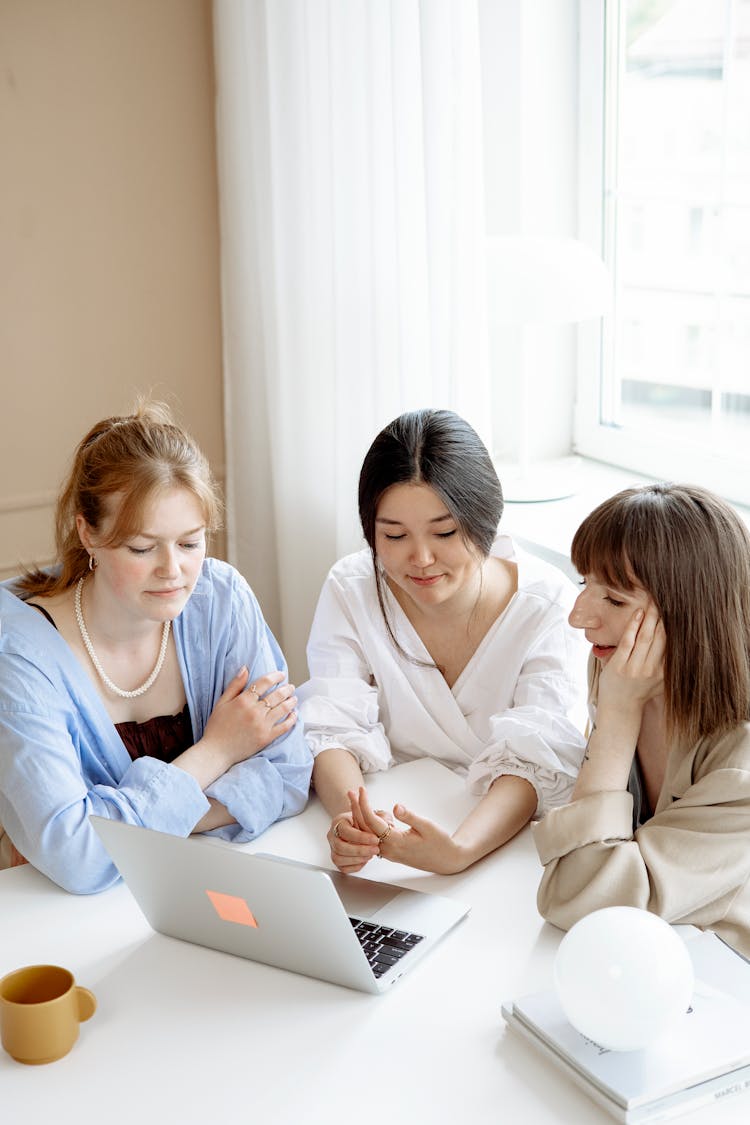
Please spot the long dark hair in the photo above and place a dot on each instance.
(691, 552)
(441, 450)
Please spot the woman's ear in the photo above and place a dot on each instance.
(84, 532)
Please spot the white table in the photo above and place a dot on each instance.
(189, 1036)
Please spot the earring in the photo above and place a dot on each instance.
(92, 562)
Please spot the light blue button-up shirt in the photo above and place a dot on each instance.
(61, 757)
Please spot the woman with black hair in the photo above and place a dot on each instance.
(442, 640)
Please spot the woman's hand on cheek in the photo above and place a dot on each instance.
(635, 671)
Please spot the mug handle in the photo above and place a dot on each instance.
(86, 1003)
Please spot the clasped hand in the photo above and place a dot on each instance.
(357, 836)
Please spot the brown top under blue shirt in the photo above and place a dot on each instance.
(163, 737)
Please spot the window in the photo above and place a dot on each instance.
(664, 132)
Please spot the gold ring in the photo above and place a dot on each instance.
(385, 835)
(336, 830)
(254, 690)
(268, 705)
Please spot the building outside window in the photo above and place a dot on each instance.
(665, 191)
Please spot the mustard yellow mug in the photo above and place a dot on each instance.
(41, 1007)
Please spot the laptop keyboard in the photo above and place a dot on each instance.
(383, 947)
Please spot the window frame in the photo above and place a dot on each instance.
(657, 455)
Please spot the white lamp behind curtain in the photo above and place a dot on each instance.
(350, 176)
(541, 281)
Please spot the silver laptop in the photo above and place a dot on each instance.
(340, 928)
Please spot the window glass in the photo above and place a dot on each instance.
(675, 359)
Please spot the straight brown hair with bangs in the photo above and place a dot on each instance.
(691, 552)
(132, 458)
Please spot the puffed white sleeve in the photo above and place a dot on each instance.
(339, 703)
(539, 737)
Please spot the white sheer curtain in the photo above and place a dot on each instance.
(353, 233)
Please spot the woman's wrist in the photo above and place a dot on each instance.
(606, 761)
(463, 854)
(619, 723)
(206, 761)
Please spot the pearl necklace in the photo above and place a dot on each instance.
(95, 659)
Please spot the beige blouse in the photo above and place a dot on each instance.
(690, 863)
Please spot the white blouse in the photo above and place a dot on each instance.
(513, 709)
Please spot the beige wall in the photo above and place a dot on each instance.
(109, 246)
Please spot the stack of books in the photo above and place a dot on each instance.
(703, 1060)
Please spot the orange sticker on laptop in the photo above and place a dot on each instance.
(232, 908)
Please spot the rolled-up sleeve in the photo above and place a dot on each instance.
(339, 703)
(275, 782)
(344, 713)
(45, 801)
(688, 863)
(537, 738)
(262, 790)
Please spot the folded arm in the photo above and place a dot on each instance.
(47, 794)
(687, 863)
(539, 737)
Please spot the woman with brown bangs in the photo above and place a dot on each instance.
(659, 817)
